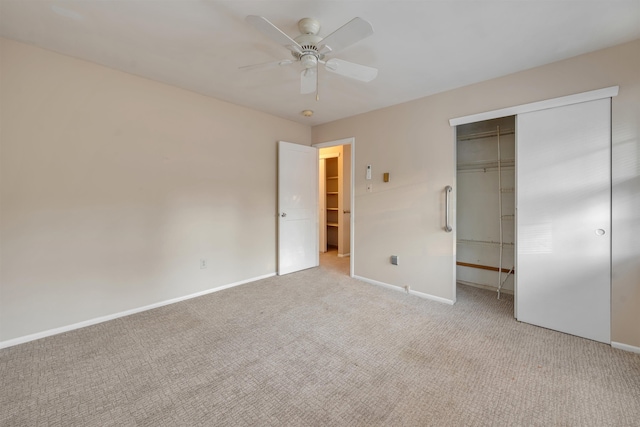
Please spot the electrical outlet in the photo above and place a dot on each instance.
(203, 263)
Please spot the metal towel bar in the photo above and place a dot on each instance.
(447, 226)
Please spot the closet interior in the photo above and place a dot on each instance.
(335, 199)
(332, 206)
(485, 204)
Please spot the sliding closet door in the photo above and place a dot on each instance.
(563, 219)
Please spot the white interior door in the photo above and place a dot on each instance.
(297, 207)
(563, 219)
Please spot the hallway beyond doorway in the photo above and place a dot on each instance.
(331, 261)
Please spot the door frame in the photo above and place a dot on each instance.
(562, 101)
(352, 142)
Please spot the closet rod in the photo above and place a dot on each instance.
(488, 134)
(480, 163)
(484, 267)
(487, 169)
(485, 164)
(482, 242)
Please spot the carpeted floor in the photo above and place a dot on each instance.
(317, 348)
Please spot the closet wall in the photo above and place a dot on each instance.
(486, 204)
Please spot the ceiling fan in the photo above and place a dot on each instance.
(310, 50)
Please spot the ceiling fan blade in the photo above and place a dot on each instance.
(308, 80)
(274, 33)
(267, 64)
(350, 33)
(351, 70)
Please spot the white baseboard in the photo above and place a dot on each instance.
(625, 347)
(343, 255)
(375, 282)
(55, 331)
(412, 292)
(432, 297)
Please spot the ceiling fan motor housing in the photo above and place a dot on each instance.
(308, 43)
(308, 40)
(309, 26)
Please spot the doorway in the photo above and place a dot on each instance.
(335, 204)
(485, 205)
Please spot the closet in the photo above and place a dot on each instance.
(533, 212)
(332, 196)
(485, 242)
(335, 199)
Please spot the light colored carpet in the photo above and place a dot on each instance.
(317, 348)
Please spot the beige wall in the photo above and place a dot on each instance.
(414, 142)
(113, 188)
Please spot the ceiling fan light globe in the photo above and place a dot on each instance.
(309, 61)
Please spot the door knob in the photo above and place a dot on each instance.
(283, 214)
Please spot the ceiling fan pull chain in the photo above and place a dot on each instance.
(317, 83)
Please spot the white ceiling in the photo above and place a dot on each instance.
(419, 47)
